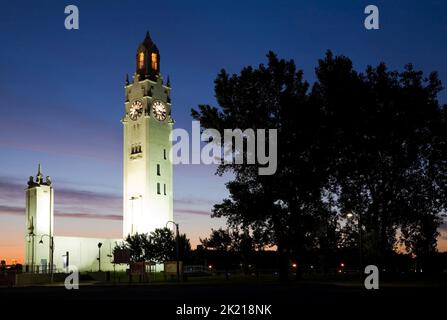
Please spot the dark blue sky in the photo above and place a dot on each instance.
(196, 38)
(61, 92)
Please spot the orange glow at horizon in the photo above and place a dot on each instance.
(12, 243)
(12, 240)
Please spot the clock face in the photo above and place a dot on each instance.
(136, 110)
(159, 110)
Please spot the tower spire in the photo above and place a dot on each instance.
(39, 177)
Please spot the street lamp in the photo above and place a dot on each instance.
(176, 247)
(51, 240)
(30, 237)
(67, 260)
(350, 215)
(99, 256)
(132, 220)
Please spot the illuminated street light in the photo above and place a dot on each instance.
(51, 240)
(350, 215)
(176, 247)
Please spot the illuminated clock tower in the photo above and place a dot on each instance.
(147, 124)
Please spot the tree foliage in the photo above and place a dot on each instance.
(372, 144)
(158, 246)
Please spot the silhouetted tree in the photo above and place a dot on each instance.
(381, 131)
(161, 245)
(286, 204)
(184, 248)
(372, 144)
(134, 245)
(158, 246)
(218, 240)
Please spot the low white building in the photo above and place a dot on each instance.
(43, 248)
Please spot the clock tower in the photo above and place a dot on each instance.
(147, 124)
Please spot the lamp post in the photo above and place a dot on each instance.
(176, 247)
(67, 260)
(112, 260)
(351, 215)
(51, 254)
(133, 218)
(99, 256)
(30, 237)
